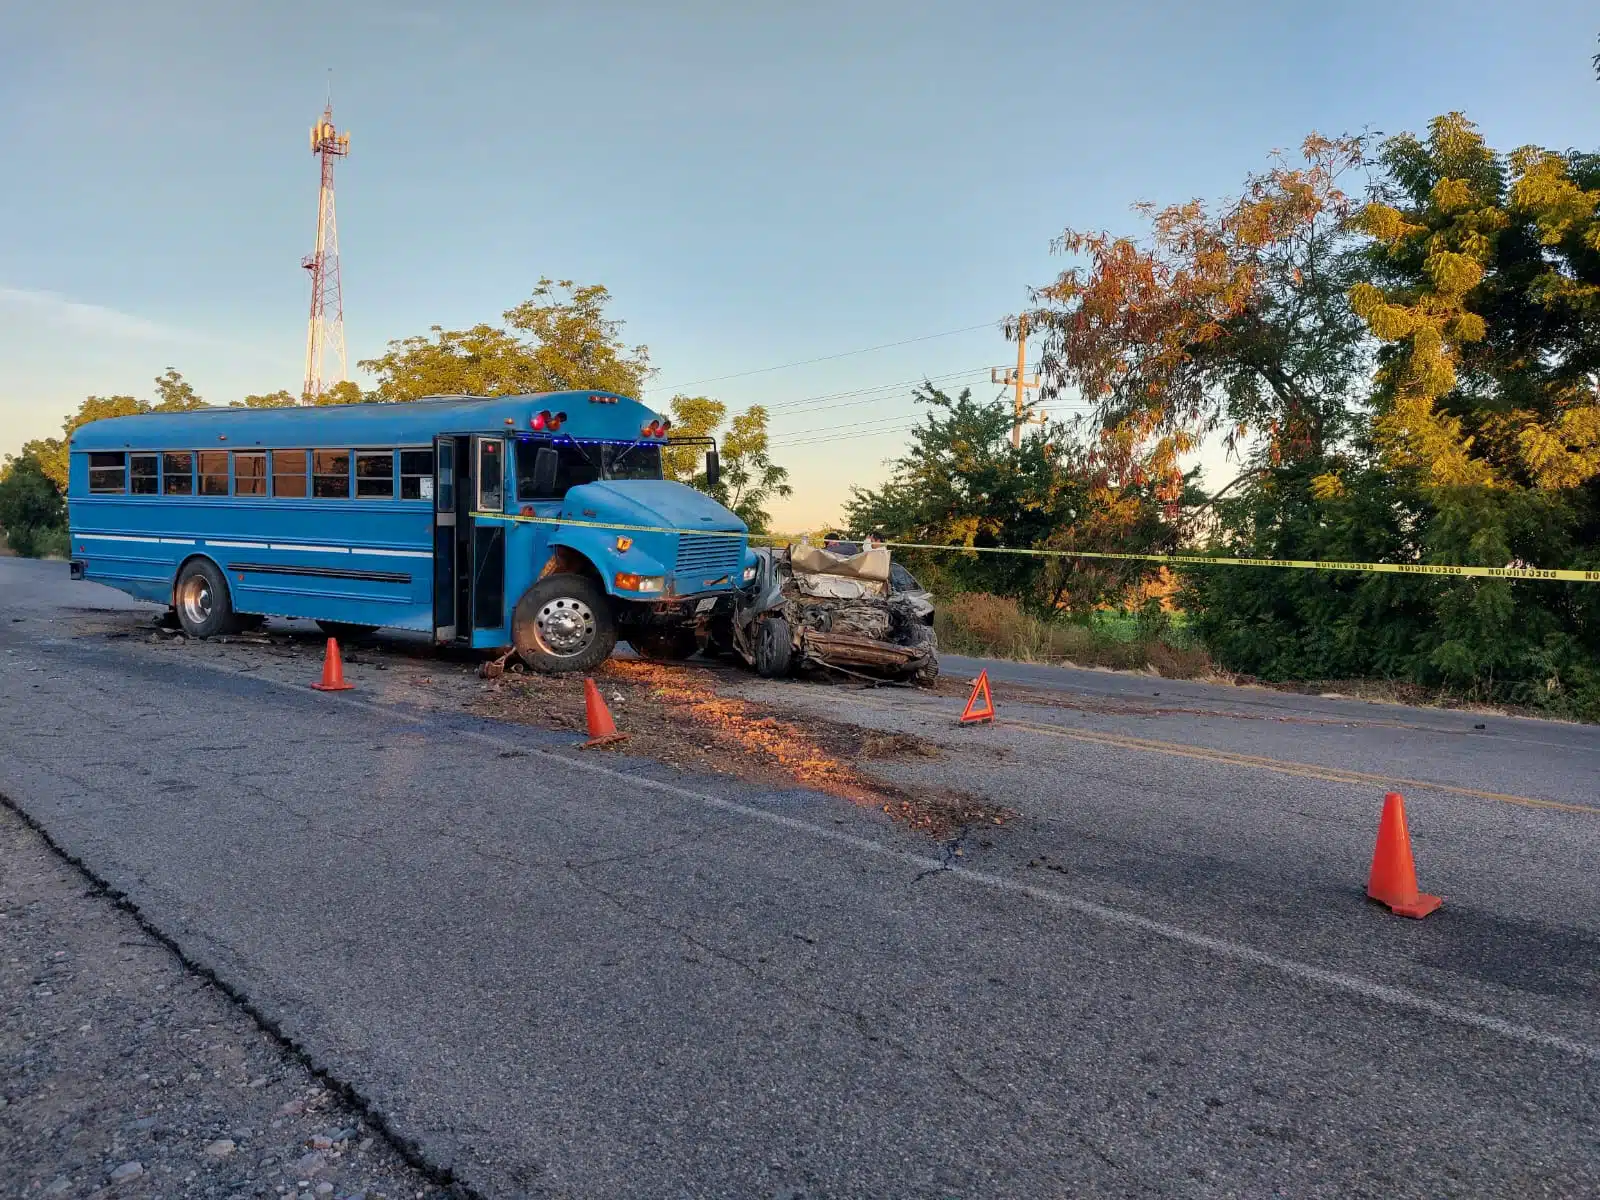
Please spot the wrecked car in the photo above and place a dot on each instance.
(810, 608)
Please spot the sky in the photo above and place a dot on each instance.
(757, 185)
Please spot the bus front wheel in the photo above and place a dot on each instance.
(201, 600)
(564, 623)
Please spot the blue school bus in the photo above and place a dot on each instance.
(541, 522)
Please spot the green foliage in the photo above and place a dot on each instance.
(32, 511)
(278, 399)
(176, 395)
(558, 339)
(750, 479)
(1491, 640)
(962, 483)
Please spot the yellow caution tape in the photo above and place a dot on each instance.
(1199, 560)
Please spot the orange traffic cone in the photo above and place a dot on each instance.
(602, 730)
(974, 711)
(333, 671)
(1393, 880)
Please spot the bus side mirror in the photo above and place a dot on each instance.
(545, 464)
(713, 468)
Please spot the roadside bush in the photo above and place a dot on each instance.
(990, 626)
(32, 512)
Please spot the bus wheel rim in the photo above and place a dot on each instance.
(565, 627)
(196, 600)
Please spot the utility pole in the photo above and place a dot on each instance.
(1020, 380)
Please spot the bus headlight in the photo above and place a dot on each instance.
(749, 573)
(626, 582)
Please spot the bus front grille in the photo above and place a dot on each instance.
(701, 558)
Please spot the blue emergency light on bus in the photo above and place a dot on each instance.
(539, 521)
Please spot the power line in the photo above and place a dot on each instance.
(881, 387)
(854, 431)
(806, 362)
(867, 392)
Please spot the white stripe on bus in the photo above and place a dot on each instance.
(177, 541)
(318, 549)
(393, 553)
(113, 537)
(238, 545)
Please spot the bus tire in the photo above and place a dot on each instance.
(774, 648)
(201, 600)
(564, 623)
(665, 645)
(345, 631)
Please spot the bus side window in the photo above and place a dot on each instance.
(330, 474)
(490, 476)
(289, 474)
(375, 474)
(144, 474)
(415, 466)
(213, 472)
(177, 473)
(250, 473)
(107, 473)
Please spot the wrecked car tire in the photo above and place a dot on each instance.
(774, 648)
(664, 645)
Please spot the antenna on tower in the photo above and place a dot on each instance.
(325, 357)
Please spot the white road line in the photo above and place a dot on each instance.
(1382, 993)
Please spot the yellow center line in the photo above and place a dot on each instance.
(1281, 766)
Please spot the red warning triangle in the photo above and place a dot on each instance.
(973, 711)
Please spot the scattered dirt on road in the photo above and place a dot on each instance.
(124, 1074)
(677, 715)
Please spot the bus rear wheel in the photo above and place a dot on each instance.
(564, 623)
(201, 600)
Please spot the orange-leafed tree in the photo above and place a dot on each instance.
(1227, 318)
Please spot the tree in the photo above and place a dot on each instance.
(278, 399)
(1478, 280)
(32, 512)
(176, 394)
(343, 392)
(1230, 320)
(962, 483)
(559, 339)
(1485, 290)
(750, 479)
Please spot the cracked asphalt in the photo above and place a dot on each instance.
(570, 974)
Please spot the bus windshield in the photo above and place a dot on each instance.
(585, 462)
(642, 460)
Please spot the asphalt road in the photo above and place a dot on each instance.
(573, 975)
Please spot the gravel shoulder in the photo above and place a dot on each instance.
(124, 1073)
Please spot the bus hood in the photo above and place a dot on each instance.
(653, 502)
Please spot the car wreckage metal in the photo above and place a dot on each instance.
(809, 608)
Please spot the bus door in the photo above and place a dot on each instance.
(446, 531)
(469, 557)
(485, 598)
